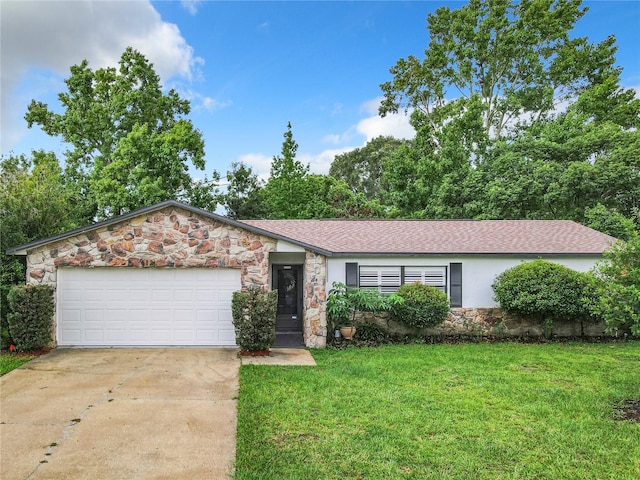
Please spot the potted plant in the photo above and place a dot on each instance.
(343, 303)
(339, 310)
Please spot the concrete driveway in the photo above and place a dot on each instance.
(120, 413)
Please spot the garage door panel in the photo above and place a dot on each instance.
(120, 306)
(92, 335)
(226, 336)
(185, 294)
(225, 316)
(183, 316)
(90, 315)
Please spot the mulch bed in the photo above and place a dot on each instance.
(629, 410)
(32, 353)
(255, 353)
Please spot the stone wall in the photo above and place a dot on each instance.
(478, 322)
(170, 238)
(315, 309)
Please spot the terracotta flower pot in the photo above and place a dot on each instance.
(347, 332)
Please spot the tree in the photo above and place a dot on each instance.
(618, 287)
(130, 145)
(293, 192)
(327, 197)
(561, 168)
(285, 191)
(362, 168)
(502, 61)
(243, 199)
(491, 79)
(611, 222)
(34, 203)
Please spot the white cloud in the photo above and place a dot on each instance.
(261, 164)
(394, 124)
(191, 6)
(321, 163)
(211, 104)
(318, 163)
(371, 106)
(49, 37)
(201, 102)
(332, 138)
(372, 126)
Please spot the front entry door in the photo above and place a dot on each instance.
(289, 286)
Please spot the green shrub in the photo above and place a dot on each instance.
(543, 289)
(618, 287)
(423, 306)
(343, 302)
(31, 310)
(254, 318)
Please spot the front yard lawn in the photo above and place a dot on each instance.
(467, 411)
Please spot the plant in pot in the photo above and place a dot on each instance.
(339, 310)
(343, 303)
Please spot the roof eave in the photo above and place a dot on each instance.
(466, 254)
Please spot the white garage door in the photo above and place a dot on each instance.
(129, 307)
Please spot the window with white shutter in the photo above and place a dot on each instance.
(434, 276)
(383, 279)
(389, 279)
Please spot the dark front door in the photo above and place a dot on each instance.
(289, 286)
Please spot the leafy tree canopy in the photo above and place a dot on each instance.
(500, 62)
(130, 144)
(34, 203)
(242, 199)
(490, 141)
(618, 287)
(362, 168)
(285, 191)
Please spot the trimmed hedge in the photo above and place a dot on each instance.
(423, 306)
(254, 318)
(31, 310)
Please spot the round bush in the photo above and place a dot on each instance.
(544, 289)
(423, 306)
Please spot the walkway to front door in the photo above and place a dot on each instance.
(288, 282)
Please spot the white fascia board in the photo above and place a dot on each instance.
(282, 246)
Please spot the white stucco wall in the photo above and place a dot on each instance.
(478, 272)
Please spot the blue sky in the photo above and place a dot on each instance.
(248, 68)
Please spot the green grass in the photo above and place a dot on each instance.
(468, 411)
(9, 361)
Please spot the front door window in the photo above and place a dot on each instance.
(289, 287)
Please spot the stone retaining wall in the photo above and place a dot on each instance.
(487, 322)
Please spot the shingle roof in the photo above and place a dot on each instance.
(399, 237)
(441, 236)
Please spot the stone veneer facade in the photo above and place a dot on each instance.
(176, 238)
(486, 322)
(170, 238)
(315, 309)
